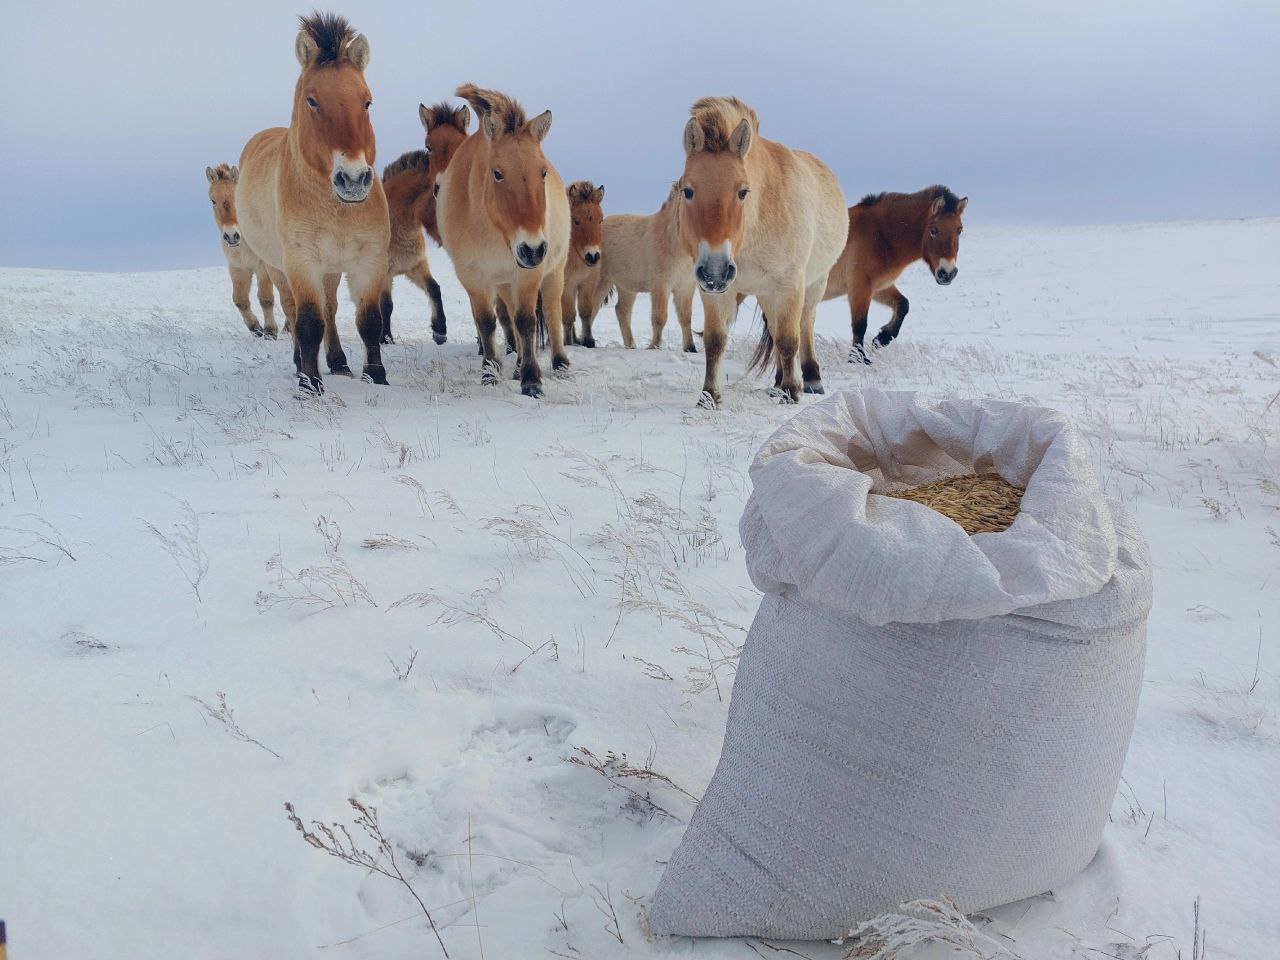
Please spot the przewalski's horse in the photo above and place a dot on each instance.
(644, 254)
(762, 220)
(408, 183)
(445, 128)
(583, 266)
(504, 220)
(242, 263)
(311, 206)
(887, 233)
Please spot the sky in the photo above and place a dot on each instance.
(1071, 113)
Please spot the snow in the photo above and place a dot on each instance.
(569, 575)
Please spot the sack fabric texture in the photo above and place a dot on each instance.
(917, 711)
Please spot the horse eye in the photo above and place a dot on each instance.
(959, 230)
(544, 174)
(311, 102)
(933, 231)
(368, 104)
(577, 223)
(742, 194)
(688, 193)
(497, 175)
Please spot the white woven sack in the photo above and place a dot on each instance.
(916, 711)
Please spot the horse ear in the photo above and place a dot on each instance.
(740, 139)
(540, 125)
(305, 49)
(235, 174)
(964, 202)
(462, 117)
(694, 138)
(425, 116)
(598, 195)
(489, 125)
(358, 51)
(938, 204)
(212, 174)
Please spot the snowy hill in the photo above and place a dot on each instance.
(216, 599)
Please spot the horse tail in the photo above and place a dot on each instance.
(762, 356)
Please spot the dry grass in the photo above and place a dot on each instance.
(980, 503)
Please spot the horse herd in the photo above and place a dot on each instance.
(747, 217)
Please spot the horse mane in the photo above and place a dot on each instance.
(331, 33)
(950, 202)
(508, 115)
(443, 114)
(671, 194)
(225, 171)
(580, 191)
(413, 160)
(719, 117)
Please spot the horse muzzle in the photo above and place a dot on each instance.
(715, 273)
(591, 256)
(352, 185)
(231, 238)
(528, 255)
(946, 272)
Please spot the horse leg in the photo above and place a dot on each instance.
(482, 309)
(240, 280)
(891, 297)
(307, 288)
(859, 305)
(334, 355)
(626, 300)
(657, 316)
(716, 312)
(267, 301)
(809, 371)
(526, 328)
(420, 276)
(568, 312)
(287, 303)
(508, 328)
(588, 307)
(784, 315)
(684, 315)
(551, 299)
(367, 284)
(387, 305)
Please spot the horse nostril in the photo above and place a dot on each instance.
(541, 251)
(366, 178)
(730, 272)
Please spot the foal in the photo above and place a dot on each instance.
(643, 254)
(583, 265)
(504, 219)
(242, 263)
(310, 205)
(445, 128)
(757, 219)
(887, 233)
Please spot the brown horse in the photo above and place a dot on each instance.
(887, 233)
(310, 205)
(583, 266)
(762, 220)
(644, 254)
(242, 263)
(445, 127)
(504, 220)
(407, 183)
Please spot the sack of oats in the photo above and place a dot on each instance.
(919, 710)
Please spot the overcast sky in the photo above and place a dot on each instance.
(1095, 112)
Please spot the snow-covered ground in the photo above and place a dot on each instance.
(216, 599)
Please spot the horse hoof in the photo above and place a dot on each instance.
(309, 386)
(787, 398)
(388, 339)
(858, 355)
(340, 370)
(559, 363)
(691, 349)
(374, 373)
(533, 390)
(589, 342)
(441, 338)
(256, 331)
(708, 401)
(270, 334)
(882, 340)
(814, 386)
(774, 392)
